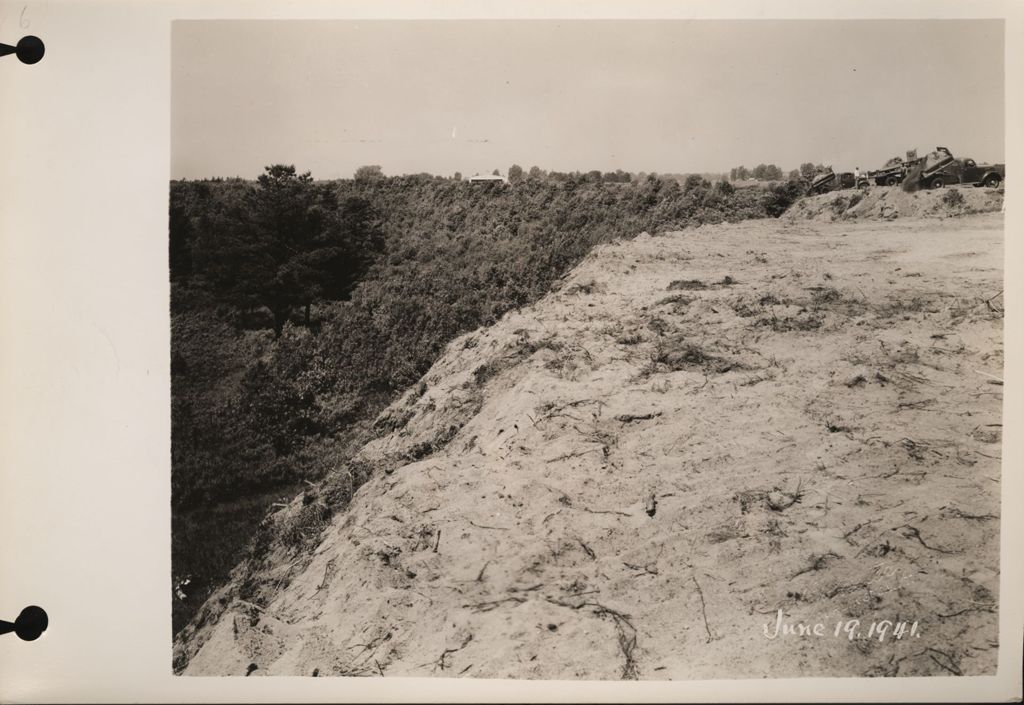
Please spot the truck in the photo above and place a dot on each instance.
(963, 171)
(895, 169)
(829, 180)
(889, 175)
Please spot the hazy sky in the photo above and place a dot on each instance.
(664, 96)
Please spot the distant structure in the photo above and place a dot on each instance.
(487, 179)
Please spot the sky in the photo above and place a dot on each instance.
(676, 96)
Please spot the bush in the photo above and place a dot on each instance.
(780, 197)
(953, 198)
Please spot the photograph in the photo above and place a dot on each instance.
(585, 349)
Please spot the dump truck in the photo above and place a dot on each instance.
(895, 169)
(890, 175)
(963, 171)
(829, 180)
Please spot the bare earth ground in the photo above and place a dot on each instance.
(633, 475)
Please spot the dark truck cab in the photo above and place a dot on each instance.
(829, 180)
(966, 171)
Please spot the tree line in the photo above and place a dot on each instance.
(770, 172)
(516, 174)
(761, 172)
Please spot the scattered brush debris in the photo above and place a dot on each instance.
(658, 325)
(703, 610)
(745, 310)
(485, 372)
(779, 500)
(833, 427)
(803, 320)
(726, 532)
(305, 525)
(992, 307)
(957, 513)
(687, 285)
(817, 562)
(524, 347)
(627, 634)
(953, 198)
(821, 295)
(918, 405)
(647, 569)
(912, 532)
(630, 418)
(903, 306)
(630, 339)
(748, 499)
(698, 285)
(915, 449)
(773, 528)
(651, 507)
(422, 450)
(676, 354)
(676, 301)
(442, 659)
(858, 381)
(585, 288)
(757, 379)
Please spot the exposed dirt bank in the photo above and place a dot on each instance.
(889, 203)
(631, 477)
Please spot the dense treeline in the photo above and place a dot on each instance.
(761, 172)
(301, 308)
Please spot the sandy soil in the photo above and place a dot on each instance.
(634, 475)
(890, 203)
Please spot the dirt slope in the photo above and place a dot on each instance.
(629, 478)
(889, 203)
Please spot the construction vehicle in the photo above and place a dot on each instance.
(962, 171)
(933, 165)
(829, 180)
(895, 169)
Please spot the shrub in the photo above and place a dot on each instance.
(686, 285)
(953, 198)
(779, 197)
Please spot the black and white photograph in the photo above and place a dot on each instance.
(586, 349)
(547, 351)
